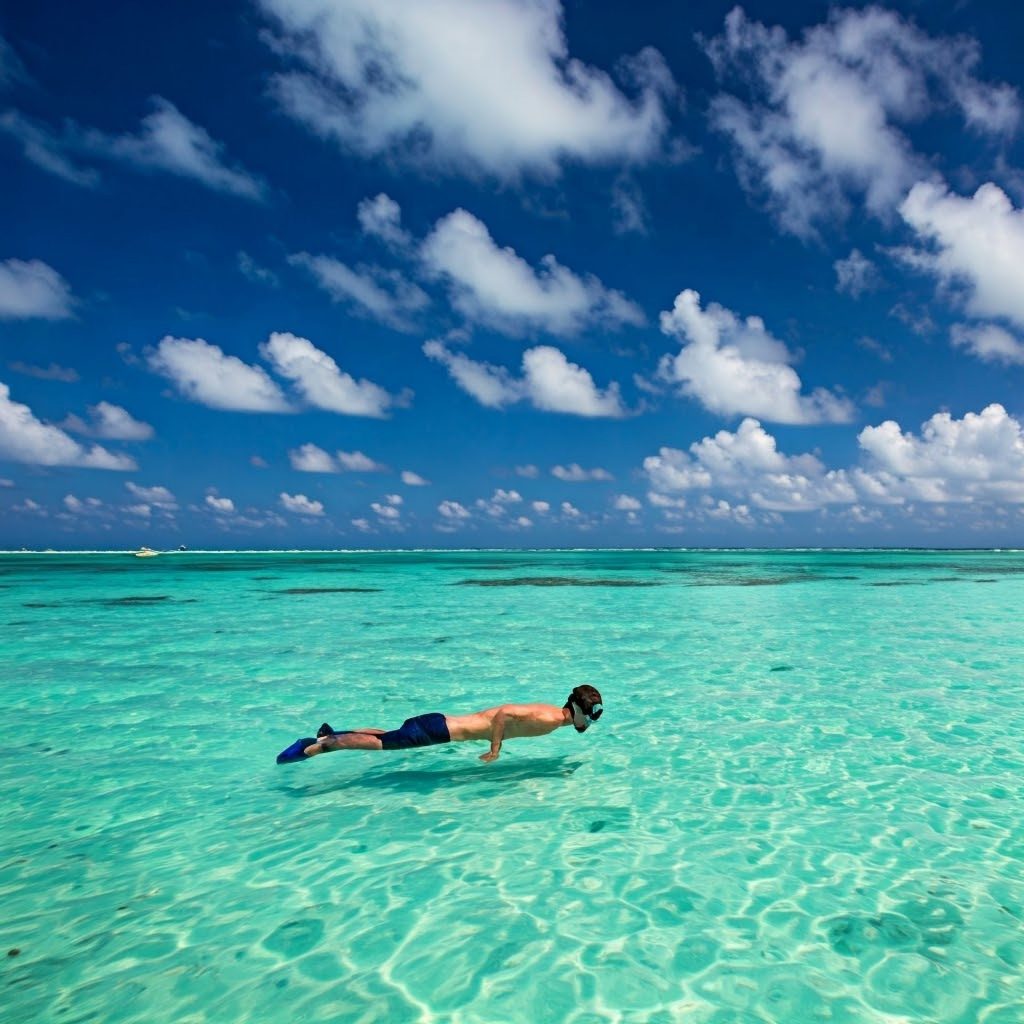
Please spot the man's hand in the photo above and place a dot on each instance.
(490, 756)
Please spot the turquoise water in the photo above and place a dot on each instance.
(804, 801)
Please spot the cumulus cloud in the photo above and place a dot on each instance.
(989, 342)
(549, 382)
(855, 274)
(158, 496)
(735, 367)
(826, 112)
(168, 141)
(381, 217)
(529, 471)
(25, 438)
(308, 458)
(222, 506)
(110, 422)
(301, 505)
(203, 373)
(320, 380)
(575, 473)
(453, 510)
(358, 462)
(977, 458)
(411, 479)
(383, 295)
(497, 287)
(626, 503)
(31, 289)
(974, 243)
(378, 76)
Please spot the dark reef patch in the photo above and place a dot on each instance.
(328, 590)
(781, 668)
(557, 581)
(898, 583)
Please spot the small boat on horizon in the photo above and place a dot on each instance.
(145, 552)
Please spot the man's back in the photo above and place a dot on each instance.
(519, 720)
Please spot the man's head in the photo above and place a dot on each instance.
(585, 706)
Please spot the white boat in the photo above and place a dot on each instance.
(146, 553)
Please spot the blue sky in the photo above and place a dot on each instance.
(459, 273)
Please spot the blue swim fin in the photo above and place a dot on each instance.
(294, 753)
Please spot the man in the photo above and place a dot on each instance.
(507, 722)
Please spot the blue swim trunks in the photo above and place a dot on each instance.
(421, 731)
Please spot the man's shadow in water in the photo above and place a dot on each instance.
(493, 777)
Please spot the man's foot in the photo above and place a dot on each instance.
(297, 751)
(324, 730)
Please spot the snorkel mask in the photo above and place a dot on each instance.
(585, 710)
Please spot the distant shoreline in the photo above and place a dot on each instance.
(499, 551)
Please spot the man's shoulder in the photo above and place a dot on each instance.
(530, 710)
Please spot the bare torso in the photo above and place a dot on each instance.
(520, 720)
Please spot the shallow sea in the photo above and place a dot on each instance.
(804, 802)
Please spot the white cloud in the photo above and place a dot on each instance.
(529, 471)
(222, 506)
(570, 511)
(24, 438)
(976, 243)
(411, 479)
(110, 422)
(41, 147)
(630, 211)
(320, 380)
(301, 505)
(254, 272)
(855, 274)
(141, 511)
(989, 342)
(497, 287)
(826, 112)
(735, 367)
(550, 382)
(30, 289)
(977, 458)
(169, 141)
(381, 217)
(747, 462)
(159, 496)
(11, 68)
(384, 295)
(203, 373)
(54, 371)
(386, 512)
(575, 473)
(461, 85)
(540, 507)
(357, 462)
(308, 458)
(453, 510)
(626, 503)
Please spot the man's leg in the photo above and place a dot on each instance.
(361, 740)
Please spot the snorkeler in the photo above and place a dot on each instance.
(506, 722)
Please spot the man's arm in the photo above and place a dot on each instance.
(497, 732)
